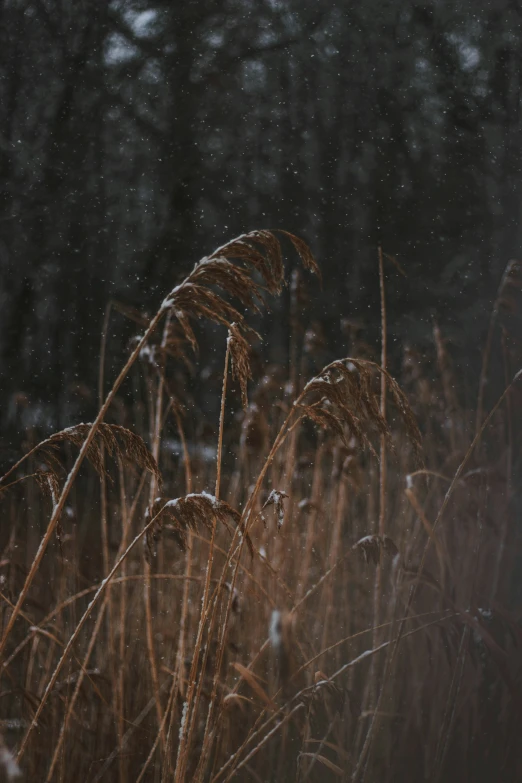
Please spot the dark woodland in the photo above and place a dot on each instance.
(136, 135)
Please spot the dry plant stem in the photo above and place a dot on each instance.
(456, 682)
(345, 667)
(17, 464)
(28, 676)
(58, 508)
(192, 699)
(78, 596)
(509, 475)
(439, 546)
(314, 756)
(187, 577)
(105, 555)
(48, 635)
(136, 723)
(120, 678)
(286, 481)
(452, 693)
(333, 558)
(48, 663)
(149, 633)
(156, 440)
(248, 520)
(304, 743)
(319, 655)
(462, 662)
(361, 767)
(356, 635)
(210, 617)
(18, 481)
(218, 310)
(322, 652)
(219, 586)
(222, 422)
(68, 647)
(209, 736)
(77, 688)
(317, 483)
(186, 456)
(160, 733)
(180, 653)
(452, 486)
(415, 585)
(103, 514)
(265, 739)
(188, 722)
(247, 516)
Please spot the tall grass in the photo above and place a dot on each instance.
(322, 593)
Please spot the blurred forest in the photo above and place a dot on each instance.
(138, 135)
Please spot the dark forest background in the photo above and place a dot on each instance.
(136, 136)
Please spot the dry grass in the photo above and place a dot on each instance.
(368, 632)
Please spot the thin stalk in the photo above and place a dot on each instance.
(265, 739)
(136, 723)
(248, 519)
(309, 662)
(68, 647)
(234, 759)
(317, 485)
(509, 476)
(453, 484)
(76, 692)
(445, 729)
(59, 506)
(186, 455)
(400, 635)
(180, 655)
(187, 577)
(191, 703)
(188, 713)
(161, 731)
(222, 421)
(120, 669)
(121, 580)
(361, 767)
(339, 514)
(156, 440)
(104, 503)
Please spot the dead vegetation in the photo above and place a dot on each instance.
(369, 631)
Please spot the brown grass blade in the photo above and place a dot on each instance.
(252, 681)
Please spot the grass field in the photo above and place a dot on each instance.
(322, 590)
